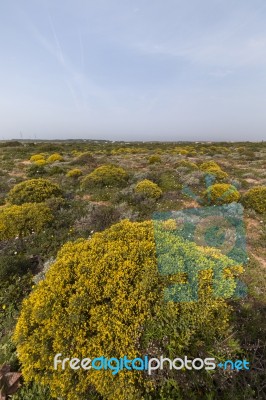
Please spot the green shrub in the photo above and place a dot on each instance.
(33, 191)
(168, 180)
(83, 159)
(155, 159)
(221, 193)
(35, 171)
(55, 170)
(74, 173)
(147, 188)
(10, 265)
(99, 218)
(54, 158)
(104, 296)
(106, 175)
(32, 391)
(255, 199)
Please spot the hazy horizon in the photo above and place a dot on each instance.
(133, 71)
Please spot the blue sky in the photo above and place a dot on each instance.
(133, 70)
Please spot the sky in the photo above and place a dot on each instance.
(133, 69)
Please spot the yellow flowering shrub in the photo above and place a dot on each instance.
(211, 167)
(186, 164)
(37, 157)
(105, 175)
(33, 191)
(155, 159)
(55, 157)
(74, 173)
(221, 193)
(148, 188)
(105, 296)
(22, 220)
(40, 162)
(255, 198)
(183, 152)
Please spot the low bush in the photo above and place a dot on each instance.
(147, 188)
(255, 199)
(37, 157)
(10, 265)
(155, 159)
(98, 218)
(55, 170)
(83, 159)
(35, 171)
(169, 181)
(40, 162)
(186, 165)
(23, 220)
(211, 167)
(54, 158)
(221, 193)
(105, 175)
(33, 191)
(74, 173)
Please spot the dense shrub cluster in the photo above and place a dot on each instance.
(211, 167)
(22, 220)
(35, 170)
(74, 173)
(187, 165)
(54, 158)
(83, 158)
(255, 198)
(40, 162)
(105, 297)
(37, 157)
(155, 159)
(105, 175)
(147, 188)
(221, 193)
(33, 191)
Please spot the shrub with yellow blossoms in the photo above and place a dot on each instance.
(221, 193)
(212, 168)
(22, 220)
(33, 191)
(148, 188)
(54, 158)
(255, 199)
(37, 157)
(74, 173)
(105, 175)
(105, 296)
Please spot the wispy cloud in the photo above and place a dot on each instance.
(80, 87)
